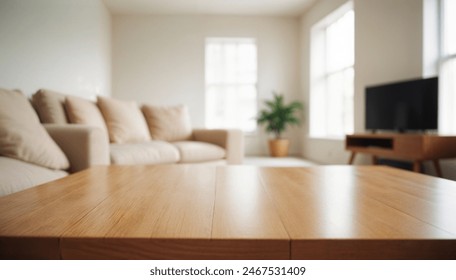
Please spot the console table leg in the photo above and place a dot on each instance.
(417, 166)
(438, 171)
(374, 160)
(352, 158)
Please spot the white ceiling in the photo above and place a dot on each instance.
(210, 7)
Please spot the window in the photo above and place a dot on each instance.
(332, 74)
(447, 71)
(231, 83)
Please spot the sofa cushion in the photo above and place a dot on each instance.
(83, 111)
(23, 137)
(168, 123)
(151, 152)
(49, 106)
(125, 122)
(16, 175)
(194, 151)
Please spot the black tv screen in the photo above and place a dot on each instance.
(402, 106)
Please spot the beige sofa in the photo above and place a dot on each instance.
(85, 134)
(83, 146)
(31, 154)
(142, 134)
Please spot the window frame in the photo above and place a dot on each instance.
(320, 74)
(207, 84)
(446, 111)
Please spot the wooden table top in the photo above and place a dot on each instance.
(232, 212)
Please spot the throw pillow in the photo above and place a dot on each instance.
(23, 137)
(49, 106)
(125, 122)
(168, 123)
(83, 111)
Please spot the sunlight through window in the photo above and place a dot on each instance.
(231, 83)
(447, 80)
(332, 75)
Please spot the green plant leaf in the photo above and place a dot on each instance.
(278, 116)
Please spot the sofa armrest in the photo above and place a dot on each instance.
(83, 145)
(232, 140)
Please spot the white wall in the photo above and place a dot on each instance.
(388, 44)
(160, 60)
(55, 44)
(388, 47)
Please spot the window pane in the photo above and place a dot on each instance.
(447, 97)
(246, 108)
(349, 90)
(332, 75)
(334, 103)
(447, 75)
(247, 64)
(318, 109)
(340, 43)
(340, 103)
(231, 76)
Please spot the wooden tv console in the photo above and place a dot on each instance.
(408, 147)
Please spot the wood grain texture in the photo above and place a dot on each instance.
(362, 203)
(372, 249)
(171, 249)
(244, 211)
(49, 209)
(232, 212)
(364, 213)
(153, 201)
(242, 207)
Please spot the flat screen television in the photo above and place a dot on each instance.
(403, 106)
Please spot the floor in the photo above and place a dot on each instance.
(280, 162)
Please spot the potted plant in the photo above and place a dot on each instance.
(276, 118)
